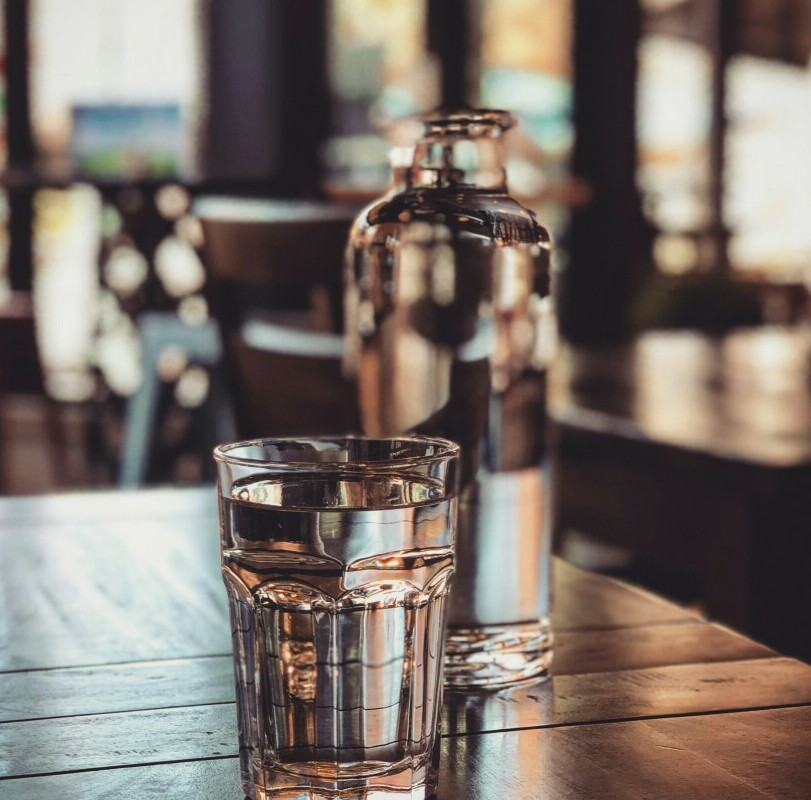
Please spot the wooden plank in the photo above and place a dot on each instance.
(107, 740)
(631, 694)
(770, 752)
(107, 506)
(42, 694)
(585, 600)
(758, 754)
(633, 761)
(166, 599)
(216, 779)
(651, 646)
(39, 694)
(113, 740)
(109, 592)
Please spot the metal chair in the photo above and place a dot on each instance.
(202, 345)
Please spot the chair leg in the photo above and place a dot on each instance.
(219, 425)
(139, 429)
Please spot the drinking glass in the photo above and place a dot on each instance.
(337, 556)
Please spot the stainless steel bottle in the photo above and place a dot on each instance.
(448, 331)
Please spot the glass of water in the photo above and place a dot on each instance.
(337, 556)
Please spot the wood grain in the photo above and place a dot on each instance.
(39, 694)
(585, 600)
(107, 506)
(719, 757)
(216, 779)
(629, 694)
(111, 740)
(634, 761)
(106, 740)
(165, 599)
(99, 592)
(770, 752)
(651, 646)
(115, 642)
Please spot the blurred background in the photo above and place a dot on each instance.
(664, 143)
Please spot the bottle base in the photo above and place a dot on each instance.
(497, 656)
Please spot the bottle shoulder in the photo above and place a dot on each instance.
(467, 211)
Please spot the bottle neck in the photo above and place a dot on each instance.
(400, 159)
(458, 162)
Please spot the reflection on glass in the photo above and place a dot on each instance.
(337, 556)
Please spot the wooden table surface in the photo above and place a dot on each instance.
(115, 677)
(743, 397)
(708, 440)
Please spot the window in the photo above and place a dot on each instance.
(526, 68)
(768, 167)
(116, 85)
(380, 70)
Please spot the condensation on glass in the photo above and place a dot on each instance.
(337, 556)
(449, 331)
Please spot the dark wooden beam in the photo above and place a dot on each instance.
(242, 140)
(452, 37)
(609, 241)
(268, 95)
(718, 22)
(20, 142)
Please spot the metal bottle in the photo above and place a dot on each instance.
(448, 331)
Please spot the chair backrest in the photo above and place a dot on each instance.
(275, 270)
(275, 242)
(261, 253)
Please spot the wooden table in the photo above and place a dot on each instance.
(694, 453)
(115, 677)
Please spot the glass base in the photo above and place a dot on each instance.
(495, 656)
(318, 781)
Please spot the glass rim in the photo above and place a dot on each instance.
(446, 449)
